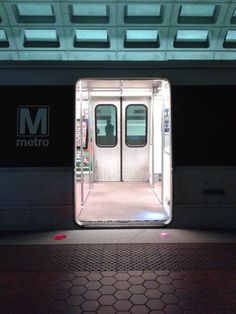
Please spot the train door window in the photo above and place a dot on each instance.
(136, 125)
(106, 125)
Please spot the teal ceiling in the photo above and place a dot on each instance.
(117, 30)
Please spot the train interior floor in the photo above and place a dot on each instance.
(146, 270)
(122, 202)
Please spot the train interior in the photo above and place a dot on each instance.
(123, 153)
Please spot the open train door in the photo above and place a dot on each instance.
(124, 167)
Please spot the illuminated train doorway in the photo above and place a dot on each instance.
(124, 177)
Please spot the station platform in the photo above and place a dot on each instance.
(118, 271)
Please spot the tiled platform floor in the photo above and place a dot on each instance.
(139, 292)
(199, 290)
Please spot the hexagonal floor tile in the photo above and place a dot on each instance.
(90, 305)
(122, 295)
(107, 300)
(123, 305)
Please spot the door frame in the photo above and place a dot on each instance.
(86, 82)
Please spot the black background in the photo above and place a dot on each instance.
(61, 101)
(204, 125)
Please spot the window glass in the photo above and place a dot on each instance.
(106, 125)
(136, 125)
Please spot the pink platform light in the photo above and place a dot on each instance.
(59, 236)
(164, 235)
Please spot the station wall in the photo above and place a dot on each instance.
(36, 182)
(204, 156)
(37, 157)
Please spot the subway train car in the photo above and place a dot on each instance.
(117, 144)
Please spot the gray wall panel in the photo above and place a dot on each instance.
(36, 198)
(203, 217)
(67, 73)
(204, 197)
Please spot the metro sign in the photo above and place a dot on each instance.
(32, 126)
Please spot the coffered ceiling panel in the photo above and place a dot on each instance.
(117, 30)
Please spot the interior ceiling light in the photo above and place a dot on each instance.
(41, 38)
(3, 36)
(34, 13)
(143, 13)
(230, 39)
(198, 13)
(91, 38)
(3, 39)
(191, 39)
(142, 39)
(89, 13)
(233, 18)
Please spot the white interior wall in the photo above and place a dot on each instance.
(106, 89)
(157, 140)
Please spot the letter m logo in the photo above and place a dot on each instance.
(33, 121)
